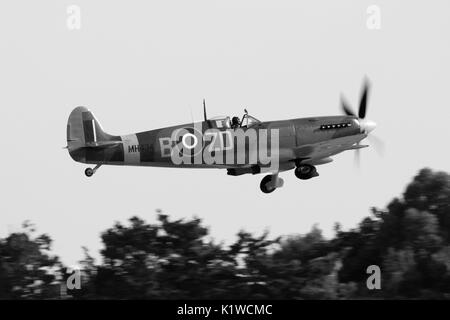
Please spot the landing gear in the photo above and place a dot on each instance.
(270, 182)
(89, 172)
(305, 172)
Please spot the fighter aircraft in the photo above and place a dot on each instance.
(300, 144)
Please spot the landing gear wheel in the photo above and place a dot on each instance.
(263, 184)
(305, 172)
(89, 172)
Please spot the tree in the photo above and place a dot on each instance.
(404, 239)
(168, 260)
(176, 259)
(430, 191)
(27, 270)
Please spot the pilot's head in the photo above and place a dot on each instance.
(235, 120)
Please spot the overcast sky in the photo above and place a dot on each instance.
(140, 65)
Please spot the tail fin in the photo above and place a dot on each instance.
(87, 142)
(84, 129)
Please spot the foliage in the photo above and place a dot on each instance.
(27, 270)
(176, 259)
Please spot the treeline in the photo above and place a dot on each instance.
(175, 259)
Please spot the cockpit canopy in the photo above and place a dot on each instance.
(224, 122)
(248, 121)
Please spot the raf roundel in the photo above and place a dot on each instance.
(194, 141)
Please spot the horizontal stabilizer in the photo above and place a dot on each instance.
(102, 144)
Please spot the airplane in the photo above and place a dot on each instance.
(301, 144)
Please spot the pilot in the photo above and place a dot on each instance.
(235, 122)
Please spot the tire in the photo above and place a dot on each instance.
(263, 184)
(89, 172)
(305, 172)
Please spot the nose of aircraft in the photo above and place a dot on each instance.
(367, 125)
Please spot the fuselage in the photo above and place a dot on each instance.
(153, 148)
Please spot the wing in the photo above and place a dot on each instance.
(315, 152)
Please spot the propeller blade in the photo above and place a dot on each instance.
(358, 158)
(345, 107)
(363, 101)
(378, 144)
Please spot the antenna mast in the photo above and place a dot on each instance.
(204, 110)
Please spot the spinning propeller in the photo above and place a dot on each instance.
(366, 125)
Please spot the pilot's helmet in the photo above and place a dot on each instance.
(235, 120)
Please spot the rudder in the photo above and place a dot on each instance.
(83, 128)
